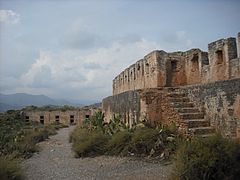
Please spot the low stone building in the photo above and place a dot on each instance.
(199, 91)
(59, 115)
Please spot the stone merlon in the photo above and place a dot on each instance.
(163, 69)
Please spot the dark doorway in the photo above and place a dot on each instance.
(87, 116)
(26, 118)
(42, 119)
(171, 68)
(57, 119)
(71, 119)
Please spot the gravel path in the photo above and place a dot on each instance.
(56, 161)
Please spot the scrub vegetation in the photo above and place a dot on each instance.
(213, 157)
(18, 140)
(95, 137)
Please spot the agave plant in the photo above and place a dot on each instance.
(95, 122)
(115, 125)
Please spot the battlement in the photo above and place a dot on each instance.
(163, 69)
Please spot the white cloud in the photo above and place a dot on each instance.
(9, 16)
(70, 74)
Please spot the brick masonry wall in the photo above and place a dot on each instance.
(220, 102)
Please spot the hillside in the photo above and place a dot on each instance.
(20, 100)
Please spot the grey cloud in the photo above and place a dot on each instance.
(174, 41)
(87, 38)
(129, 38)
(8, 83)
(170, 38)
(74, 77)
(82, 39)
(92, 66)
(43, 79)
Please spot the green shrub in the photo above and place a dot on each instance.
(49, 130)
(26, 144)
(118, 143)
(10, 169)
(19, 137)
(89, 143)
(211, 158)
(143, 140)
(57, 125)
(78, 134)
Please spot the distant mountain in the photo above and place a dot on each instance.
(20, 100)
(5, 107)
(96, 105)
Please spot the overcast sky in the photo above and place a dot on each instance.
(73, 49)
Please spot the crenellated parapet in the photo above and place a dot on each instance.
(140, 75)
(161, 69)
(197, 91)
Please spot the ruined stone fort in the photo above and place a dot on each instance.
(70, 116)
(198, 91)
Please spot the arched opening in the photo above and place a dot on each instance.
(138, 68)
(219, 57)
(205, 60)
(147, 68)
(134, 74)
(195, 63)
(173, 66)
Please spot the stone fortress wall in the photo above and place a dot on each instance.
(162, 69)
(199, 91)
